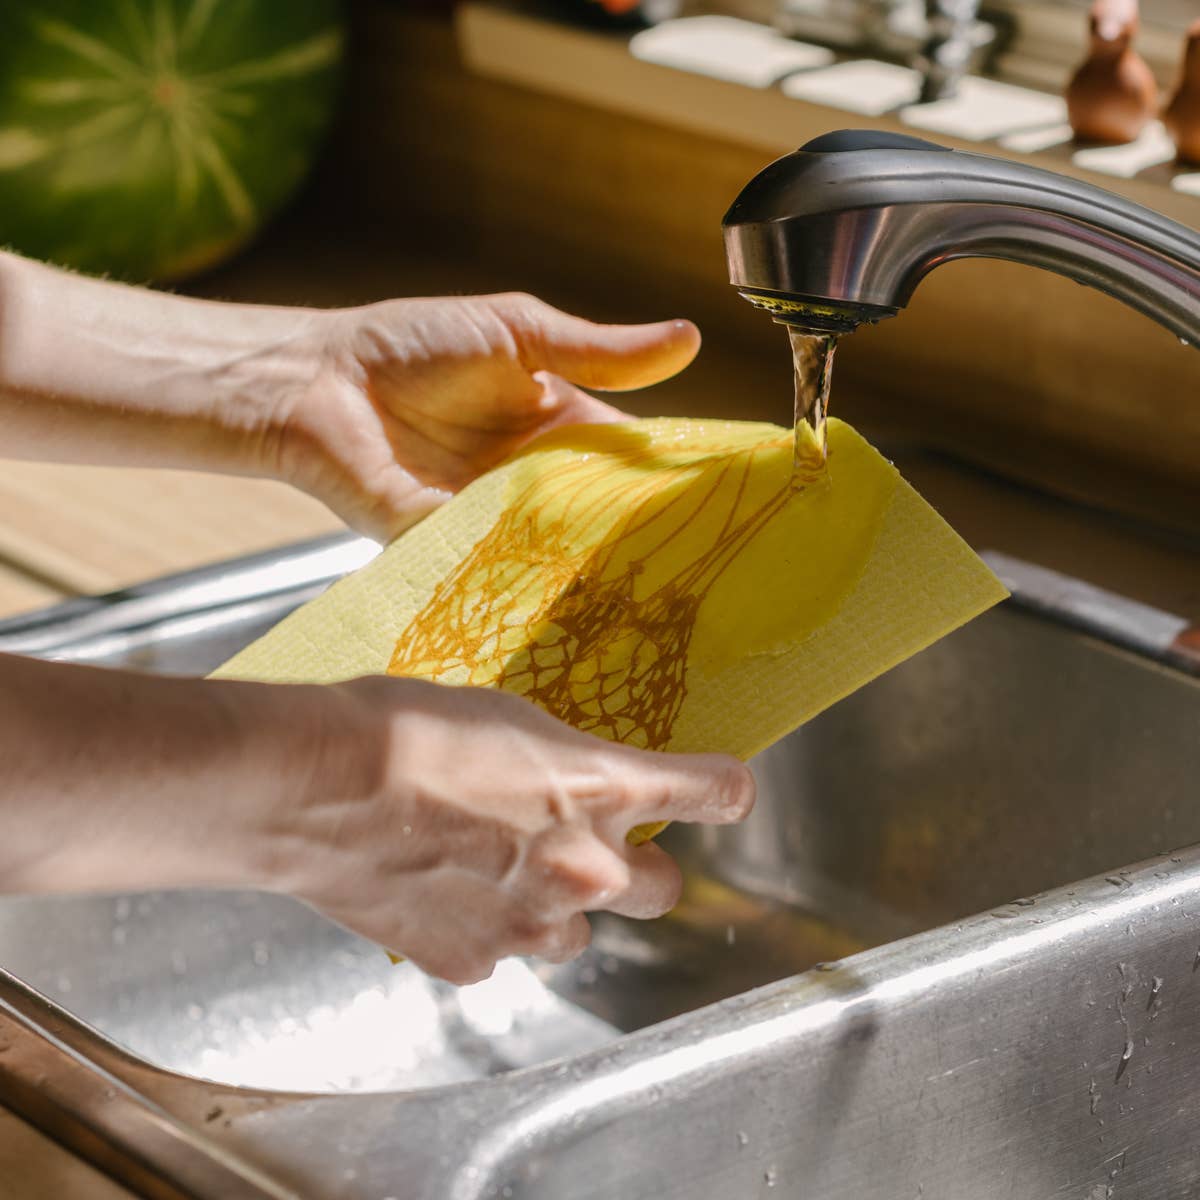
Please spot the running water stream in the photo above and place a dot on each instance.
(812, 364)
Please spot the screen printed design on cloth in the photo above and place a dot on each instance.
(658, 582)
(598, 633)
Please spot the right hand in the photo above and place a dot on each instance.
(457, 826)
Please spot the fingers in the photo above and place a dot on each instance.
(578, 872)
(458, 969)
(609, 357)
(557, 943)
(464, 962)
(714, 789)
(655, 882)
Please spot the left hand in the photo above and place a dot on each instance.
(381, 411)
(410, 400)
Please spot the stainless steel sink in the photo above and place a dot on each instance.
(888, 982)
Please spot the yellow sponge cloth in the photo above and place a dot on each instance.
(671, 584)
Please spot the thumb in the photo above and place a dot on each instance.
(608, 357)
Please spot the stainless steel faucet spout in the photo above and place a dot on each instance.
(844, 229)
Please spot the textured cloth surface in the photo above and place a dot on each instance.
(673, 584)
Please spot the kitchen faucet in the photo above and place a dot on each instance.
(841, 232)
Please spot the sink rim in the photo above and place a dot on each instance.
(281, 1128)
(285, 1135)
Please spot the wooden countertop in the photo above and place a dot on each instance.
(70, 530)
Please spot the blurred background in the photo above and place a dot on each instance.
(586, 150)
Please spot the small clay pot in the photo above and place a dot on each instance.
(1182, 116)
(1113, 94)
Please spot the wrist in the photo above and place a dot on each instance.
(169, 783)
(312, 756)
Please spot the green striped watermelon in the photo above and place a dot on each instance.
(150, 138)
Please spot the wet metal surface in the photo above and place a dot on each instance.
(1011, 1032)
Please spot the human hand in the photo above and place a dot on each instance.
(482, 827)
(409, 400)
(380, 411)
(453, 825)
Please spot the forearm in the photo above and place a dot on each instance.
(92, 371)
(111, 780)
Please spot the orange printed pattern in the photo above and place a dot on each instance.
(584, 593)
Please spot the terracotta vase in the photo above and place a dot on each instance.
(1113, 94)
(1182, 116)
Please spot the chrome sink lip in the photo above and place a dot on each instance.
(536, 1111)
(541, 1111)
(530, 1115)
(282, 577)
(255, 585)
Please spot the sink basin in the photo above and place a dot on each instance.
(888, 981)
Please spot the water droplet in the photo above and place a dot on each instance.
(1126, 1055)
(769, 1177)
(406, 830)
(743, 1139)
(730, 935)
